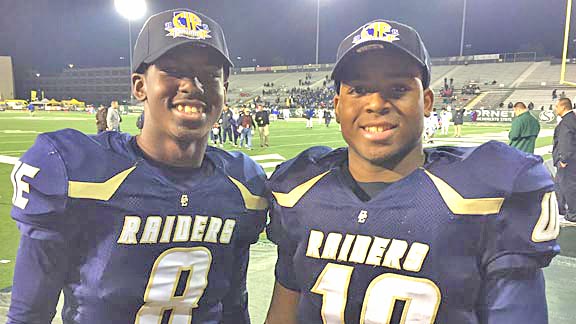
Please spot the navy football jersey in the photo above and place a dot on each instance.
(129, 240)
(421, 250)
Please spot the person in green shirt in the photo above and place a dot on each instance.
(525, 129)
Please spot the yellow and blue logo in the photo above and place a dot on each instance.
(188, 25)
(377, 31)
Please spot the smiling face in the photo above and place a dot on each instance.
(381, 106)
(183, 93)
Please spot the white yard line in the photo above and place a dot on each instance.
(8, 159)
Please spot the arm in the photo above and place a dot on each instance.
(109, 119)
(566, 143)
(515, 297)
(38, 279)
(518, 243)
(514, 131)
(39, 180)
(283, 307)
(235, 303)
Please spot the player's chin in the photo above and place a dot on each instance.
(185, 133)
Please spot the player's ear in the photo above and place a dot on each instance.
(139, 86)
(337, 101)
(428, 102)
(337, 108)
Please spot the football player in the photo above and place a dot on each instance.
(148, 229)
(383, 231)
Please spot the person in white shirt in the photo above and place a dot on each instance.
(113, 117)
(445, 117)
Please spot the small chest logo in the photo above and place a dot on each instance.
(362, 217)
(184, 201)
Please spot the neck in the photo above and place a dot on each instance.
(565, 112)
(392, 170)
(170, 151)
(520, 112)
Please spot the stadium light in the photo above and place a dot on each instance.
(131, 10)
(317, 28)
(463, 28)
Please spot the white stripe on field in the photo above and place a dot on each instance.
(268, 157)
(8, 159)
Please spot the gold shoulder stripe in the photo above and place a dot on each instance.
(290, 199)
(98, 190)
(251, 201)
(464, 206)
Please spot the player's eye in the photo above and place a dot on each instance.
(360, 90)
(399, 91)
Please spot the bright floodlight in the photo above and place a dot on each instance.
(131, 9)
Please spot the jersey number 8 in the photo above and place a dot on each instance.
(160, 294)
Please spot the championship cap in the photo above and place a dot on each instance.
(380, 35)
(169, 29)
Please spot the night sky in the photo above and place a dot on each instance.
(46, 35)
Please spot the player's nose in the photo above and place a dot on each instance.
(190, 85)
(378, 103)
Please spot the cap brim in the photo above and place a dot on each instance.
(156, 55)
(387, 46)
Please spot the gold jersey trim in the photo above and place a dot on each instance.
(98, 190)
(465, 206)
(291, 198)
(251, 201)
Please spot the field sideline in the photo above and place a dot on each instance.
(18, 132)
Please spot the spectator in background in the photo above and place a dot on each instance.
(309, 116)
(564, 156)
(554, 95)
(327, 117)
(531, 106)
(101, 115)
(215, 135)
(525, 129)
(458, 121)
(246, 129)
(236, 125)
(31, 110)
(263, 122)
(113, 117)
(140, 121)
(510, 105)
(445, 117)
(226, 120)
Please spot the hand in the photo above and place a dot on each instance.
(563, 165)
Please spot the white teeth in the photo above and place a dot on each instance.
(375, 129)
(188, 109)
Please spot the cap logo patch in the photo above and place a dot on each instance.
(188, 25)
(377, 31)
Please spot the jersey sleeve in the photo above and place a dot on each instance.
(523, 235)
(40, 192)
(277, 233)
(514, 297)
(39, 209)
(235, 303)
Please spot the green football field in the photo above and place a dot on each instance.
(18, 131)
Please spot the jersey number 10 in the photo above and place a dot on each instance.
(421, 297)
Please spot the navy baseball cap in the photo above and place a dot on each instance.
(169, 29)
(381, 35)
